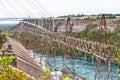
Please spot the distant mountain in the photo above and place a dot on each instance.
(7, 27)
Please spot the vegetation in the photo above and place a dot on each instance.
(7, 27)
(90, 33)
(47, 76)
(5, 62)
(7, 73)
(118, 57)
(49, 47)
(38, 44)
(47, 70)
(3, 38)
(108, 16)
(67, 79)
(46, 46)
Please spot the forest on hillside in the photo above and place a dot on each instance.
(7, 27)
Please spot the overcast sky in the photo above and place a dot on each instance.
(32, 8)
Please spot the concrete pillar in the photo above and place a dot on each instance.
(53, 24)
(38, 22)
(92, 59)
(85, 56)
(42, 22)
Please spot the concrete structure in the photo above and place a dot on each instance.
(24, 60)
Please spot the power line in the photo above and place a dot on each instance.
(20, 9)
(27, 8)
(38, 8)
(12, 4)
(5, 10)
(43, 8)
(34, 8)
(10, 10)
(18, 13)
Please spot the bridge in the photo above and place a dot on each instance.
(101, 51)
(24, 59)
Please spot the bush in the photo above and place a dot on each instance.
(3, 38)
(67, 79)
(9, 74)
(47, 76)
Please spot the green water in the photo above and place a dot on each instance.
(85, 68)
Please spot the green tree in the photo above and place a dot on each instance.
(3, 38)
(91, 35)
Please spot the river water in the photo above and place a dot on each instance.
(85, 68)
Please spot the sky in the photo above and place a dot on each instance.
(9, 22)
(45, 8)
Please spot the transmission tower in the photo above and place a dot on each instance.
(104, 73)
(69, 62)
(68, 25)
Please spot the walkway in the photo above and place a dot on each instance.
(25, 60)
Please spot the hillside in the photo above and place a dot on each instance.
(85, 29)
(7, 27)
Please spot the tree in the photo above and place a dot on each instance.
(80, 15)
(3, 38)
(92, 34)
